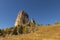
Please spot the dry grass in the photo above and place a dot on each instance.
(40, 33)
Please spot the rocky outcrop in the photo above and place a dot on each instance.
(22, 18)
(22, 25)
(33, 21)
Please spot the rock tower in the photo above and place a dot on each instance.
(22, 18)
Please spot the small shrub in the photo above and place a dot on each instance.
(26, 29)
(14, 32)
(0, 32)
(20, 29)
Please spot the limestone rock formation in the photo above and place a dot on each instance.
(22, 18)
(32, 21)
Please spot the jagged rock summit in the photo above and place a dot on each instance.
(22, 18)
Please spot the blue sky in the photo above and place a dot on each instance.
(43, 11)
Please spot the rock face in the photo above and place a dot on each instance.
(32, 21)
(22, 18)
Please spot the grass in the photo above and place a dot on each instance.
(49, 32)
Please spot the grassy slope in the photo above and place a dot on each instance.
(41, 33)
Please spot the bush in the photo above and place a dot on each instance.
(17, 30)
(20, 29)
(26, 29)
(0, 32)
(3, 33)
(56, 22)
(14, 32)
(7, 30)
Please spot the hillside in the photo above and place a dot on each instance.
(25, 29)
(48, 32)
